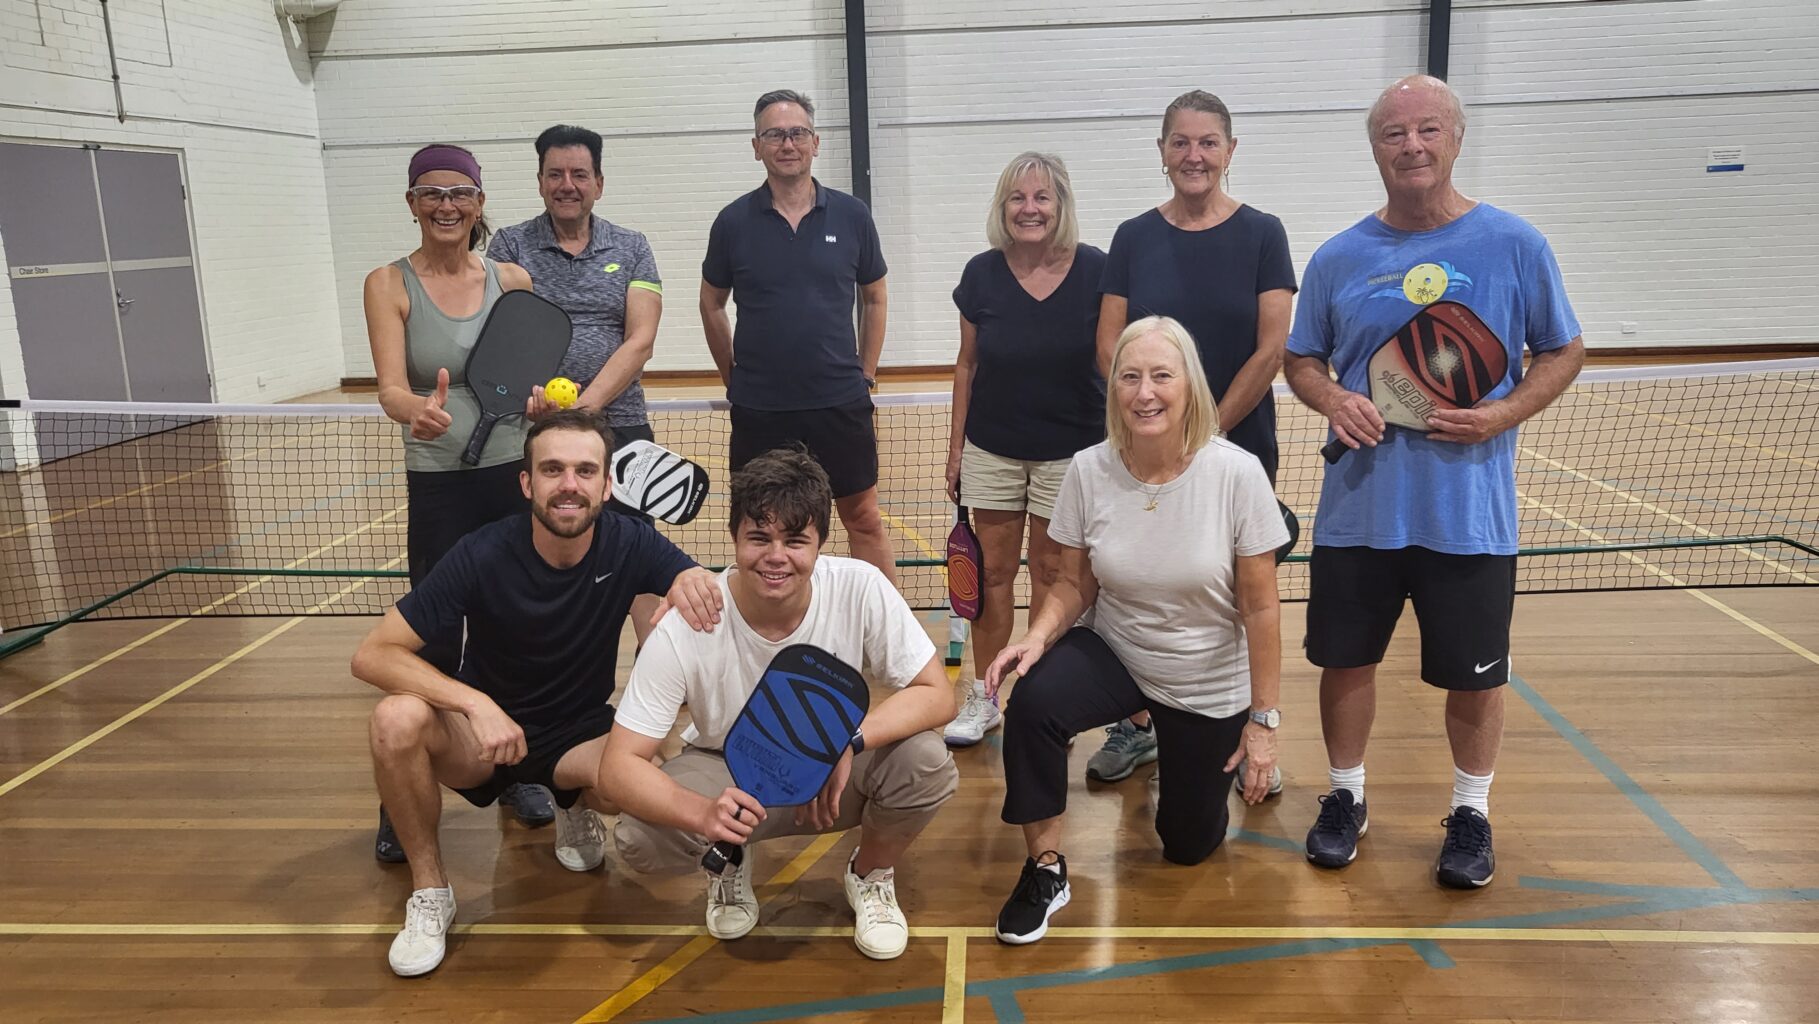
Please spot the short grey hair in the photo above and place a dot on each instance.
(1426, 82)
(1067, 228)
(776, 96)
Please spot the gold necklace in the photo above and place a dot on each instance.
(1151, 507)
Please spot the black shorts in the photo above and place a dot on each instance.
(1463, 605)
(841, 439)
(544, 748)
(623, 435)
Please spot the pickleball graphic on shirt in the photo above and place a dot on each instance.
(1423, 283)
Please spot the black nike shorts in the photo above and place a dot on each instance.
(1463, 605)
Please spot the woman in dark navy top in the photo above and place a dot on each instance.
(1222, 270)
(1027, 394)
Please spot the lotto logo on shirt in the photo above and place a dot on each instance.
(611, 268)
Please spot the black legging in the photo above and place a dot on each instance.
(1080, 684)
(445, 507)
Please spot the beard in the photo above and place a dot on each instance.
(567, 531)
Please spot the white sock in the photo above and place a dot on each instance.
(1472, 791)
(1348, 778)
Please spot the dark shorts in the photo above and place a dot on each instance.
(841, 439)
(622, 435)
(545, 748)
(1463, 605)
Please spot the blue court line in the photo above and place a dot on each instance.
(1429, 950)
(1006, 1008)
(1245, 835)
(1647, 804)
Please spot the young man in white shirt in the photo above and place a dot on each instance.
(782, 591)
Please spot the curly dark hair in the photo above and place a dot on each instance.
(784, 486)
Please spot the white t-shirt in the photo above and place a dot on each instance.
(1167, 578)
(853, 613)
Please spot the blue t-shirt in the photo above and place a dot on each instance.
(1363, 285)
(1037, 394)
(1209, 280)
(542, 642)
(794, 345)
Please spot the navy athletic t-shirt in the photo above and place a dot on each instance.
(542, 642)
(1209, 280)
(1037, 394)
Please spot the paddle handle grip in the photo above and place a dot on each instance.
(718, 856)
(476, 442)
(1333, 449)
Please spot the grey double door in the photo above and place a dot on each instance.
(103, 279)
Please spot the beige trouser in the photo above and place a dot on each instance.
(895, 789)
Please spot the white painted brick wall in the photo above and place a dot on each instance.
(1580, 122)
(237, 101)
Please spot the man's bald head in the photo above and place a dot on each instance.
(1420, 90)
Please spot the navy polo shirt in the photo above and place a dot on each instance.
(794, 346)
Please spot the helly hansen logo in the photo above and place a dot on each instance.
(831, 238)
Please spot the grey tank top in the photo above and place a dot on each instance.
(435, 341)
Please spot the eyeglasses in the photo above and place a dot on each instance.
(776, 136)
(432, 195)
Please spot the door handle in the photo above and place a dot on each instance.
(122, 301)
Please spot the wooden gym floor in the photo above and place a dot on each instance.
(186, 831)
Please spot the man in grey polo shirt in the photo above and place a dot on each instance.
(793, 254)
(602, 275)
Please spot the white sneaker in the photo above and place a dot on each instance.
(879, 929)
(420, 946)
(580, 838)
(732, 907)
(978, 716)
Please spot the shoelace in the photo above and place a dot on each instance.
(423, 915)
(1334, 818)
(1466, 833)
(1038, 885)
(1119, 738)
(582, 827)
(976, 709)
(726, 887)
(879, 899)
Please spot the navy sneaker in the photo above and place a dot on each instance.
(532, 804)
(1333, 841)
(1466, 860)
(385, 845)
(1039, 893)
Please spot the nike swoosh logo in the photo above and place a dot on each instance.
(1479, 669)
(597, 579)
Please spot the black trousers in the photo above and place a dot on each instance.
(445, 507)
(1080, 684)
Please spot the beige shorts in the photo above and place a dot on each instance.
(1009, 485)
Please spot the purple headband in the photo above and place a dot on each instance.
(444, 158)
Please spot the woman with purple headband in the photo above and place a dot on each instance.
(423, 313)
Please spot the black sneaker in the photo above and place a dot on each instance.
(1466, 860)
(1333, 841)
(385, 845)
(1039, 893)
(532, 804)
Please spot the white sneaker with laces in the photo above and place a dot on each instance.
(879, 928)
(978, 716)
(732, 907)
(580, 838)
(421, 945)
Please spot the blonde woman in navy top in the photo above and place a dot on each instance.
(1027, 394)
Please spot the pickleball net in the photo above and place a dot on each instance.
(1646, 477)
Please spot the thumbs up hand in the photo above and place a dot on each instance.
(432, 421)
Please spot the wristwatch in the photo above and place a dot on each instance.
(1268, 719)
(858, 741)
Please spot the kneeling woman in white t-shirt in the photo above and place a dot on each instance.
(1168, 544)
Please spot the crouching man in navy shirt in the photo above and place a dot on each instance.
(544, 597)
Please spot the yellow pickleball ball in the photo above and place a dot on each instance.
(561, 391)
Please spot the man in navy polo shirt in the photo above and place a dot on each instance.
(543, 596)
(602, 275)
(791, 253)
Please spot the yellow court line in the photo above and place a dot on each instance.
(1733, 439)
(166, 482)
(144, 709)
(951, 934)
(1674, 581)
(235, 594)
(653, 979)
(1664, 513)
(953, 993)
